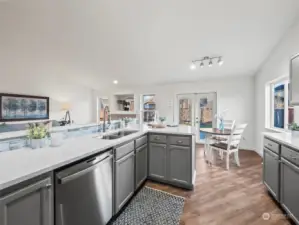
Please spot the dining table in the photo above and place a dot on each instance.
(210, 132)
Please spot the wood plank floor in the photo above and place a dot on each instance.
(220, 197)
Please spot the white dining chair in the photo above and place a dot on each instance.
(228, 125)
(231, 145)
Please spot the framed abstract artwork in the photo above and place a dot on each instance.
(23, 107)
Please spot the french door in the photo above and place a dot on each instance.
(197, 110)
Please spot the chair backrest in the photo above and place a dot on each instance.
(229, 124)
(236, 136)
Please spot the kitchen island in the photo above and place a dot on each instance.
(166, 155)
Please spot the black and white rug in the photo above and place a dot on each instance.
(152, 207)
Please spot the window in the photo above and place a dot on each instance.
(280, 113)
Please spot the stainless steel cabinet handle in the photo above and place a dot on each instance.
(269, 144)
(48, 185)
(61, 214)
(157, 138)
(180, 142)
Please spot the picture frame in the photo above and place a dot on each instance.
(16, 107)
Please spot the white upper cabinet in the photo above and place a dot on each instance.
(294, 80)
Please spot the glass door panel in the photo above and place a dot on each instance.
(197, 110)
(186, 109)
(206, 110)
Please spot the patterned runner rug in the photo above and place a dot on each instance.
(152, 207)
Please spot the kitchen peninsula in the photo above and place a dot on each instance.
(166, 155)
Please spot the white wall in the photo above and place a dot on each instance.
(277, 65)
(234, 94)
(80, 98)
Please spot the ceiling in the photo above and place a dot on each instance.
(138, 42)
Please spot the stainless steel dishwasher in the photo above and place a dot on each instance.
(84, 192)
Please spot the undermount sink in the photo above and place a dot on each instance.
(117, 135)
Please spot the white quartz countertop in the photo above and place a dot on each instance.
(288, 139)
(23, 164)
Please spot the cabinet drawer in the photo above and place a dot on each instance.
(123, 150)
(158, 138)
(273, 146)
(179, 140)
(141, 141)
(290, 155)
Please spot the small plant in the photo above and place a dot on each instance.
(127, 120)
(162, 119)
(37, 131)
(294, 126)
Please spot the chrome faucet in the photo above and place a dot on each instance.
(106, 112)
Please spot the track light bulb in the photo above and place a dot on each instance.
(193, 66)
(210, 63)
(220, 61)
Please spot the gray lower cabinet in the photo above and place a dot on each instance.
(157, 161)
(141, 165)
(124, 180)
(30, 205)
(179, 169)
(271, 172)
(289, 194)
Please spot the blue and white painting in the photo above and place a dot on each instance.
(16, 108)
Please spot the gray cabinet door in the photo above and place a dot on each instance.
(157, 161)
(141, 164)
(271, 172)
(289, 197)
(124, 180)
(31, 205)
(179, 164)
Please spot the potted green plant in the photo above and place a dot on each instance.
(162, 119)
(294, 127)
(126, 121)
(37, 132)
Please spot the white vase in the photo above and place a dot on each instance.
(42, 142)
(295, 133)
(35, 143)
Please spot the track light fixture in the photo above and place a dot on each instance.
(206, 58)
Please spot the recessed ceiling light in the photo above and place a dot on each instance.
(115, 82)
(193, 66)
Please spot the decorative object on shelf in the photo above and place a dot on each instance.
(23, 107)
(220, 117)
(206, 58)
(37, 134)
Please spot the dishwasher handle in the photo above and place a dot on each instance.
(73, 176)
